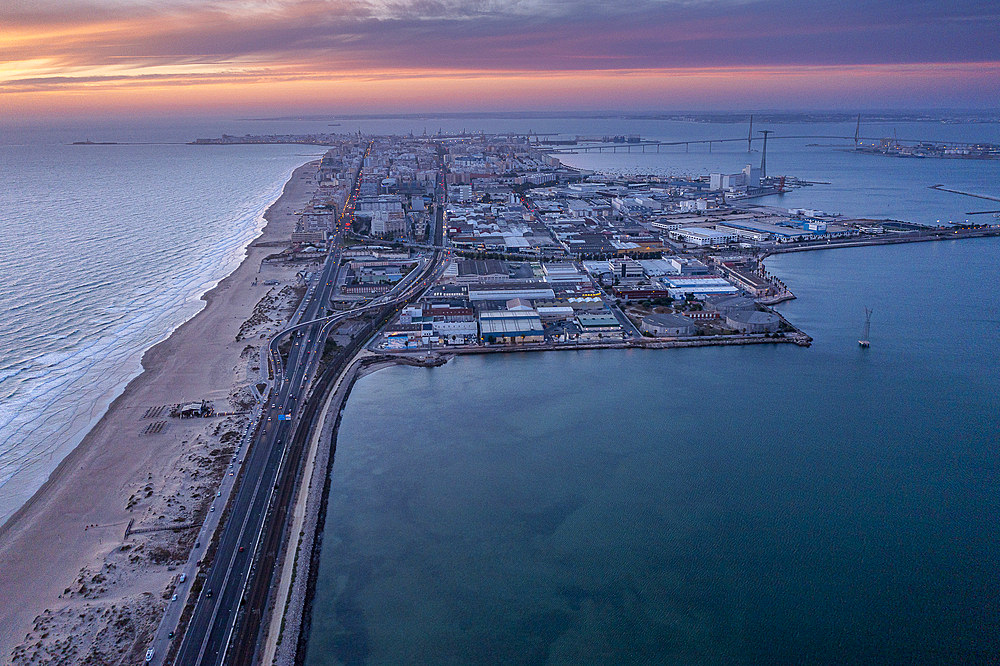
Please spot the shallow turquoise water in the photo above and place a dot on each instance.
(759, 504)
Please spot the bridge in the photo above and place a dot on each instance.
(643, 145)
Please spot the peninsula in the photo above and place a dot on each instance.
(184, 528)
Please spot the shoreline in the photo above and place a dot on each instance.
(290, 618)
(70, 523)
(233, 259)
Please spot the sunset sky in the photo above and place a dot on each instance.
(305, 56)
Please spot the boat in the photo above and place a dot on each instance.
(864, 342)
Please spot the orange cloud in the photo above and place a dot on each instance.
(248, 89)
(74, 55)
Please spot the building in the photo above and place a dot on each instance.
(318, 237)
(519, 304)
(687, 266)
(753, 321)
(703, 237)
(726, 303)
(698, 287)
(755, 235)
(505, 291)
(601, 326)
(625, 268)
(667, 325)
(455, 332)
(556, 312)
(556, 273)
(460, 193)
(726, 181)
(385, 212)
(503, 326)
(749, 177)
(481, 270)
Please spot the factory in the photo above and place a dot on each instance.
(601, 326)
(784, 230)
(510, 326)
(752, 321)
(667, 325)
(699, 287)
(703, 237)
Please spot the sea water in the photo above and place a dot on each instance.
(737, 504)
(764, 504)
(106, 250)
(760, 504)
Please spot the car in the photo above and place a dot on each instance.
(209, 593)
(170, 635)
(173, 598)
(149, 654)
(241, 549)
(213, 508)
(183, 577)
(218, 494)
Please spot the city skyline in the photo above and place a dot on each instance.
(226, 56)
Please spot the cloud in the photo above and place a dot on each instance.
(66, 44)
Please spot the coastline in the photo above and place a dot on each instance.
(74, 521)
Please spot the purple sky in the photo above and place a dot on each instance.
(796, 54)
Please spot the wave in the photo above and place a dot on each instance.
(74, 348)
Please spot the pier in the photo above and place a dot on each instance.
(942, 188)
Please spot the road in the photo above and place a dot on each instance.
(215, 613)
(224, 625)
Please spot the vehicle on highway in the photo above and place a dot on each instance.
(173, 598)
(183, 577)
(149, 654)
(213, 508)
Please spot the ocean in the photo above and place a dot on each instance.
(709, 505)
(106, 250)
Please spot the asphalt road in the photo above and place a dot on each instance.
(208, 637)
(215, 613)
(211, 625)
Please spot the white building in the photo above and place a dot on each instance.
(703, 237)
(385, 212)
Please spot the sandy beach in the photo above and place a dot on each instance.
(73, 589)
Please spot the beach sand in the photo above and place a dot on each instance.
(72, 589)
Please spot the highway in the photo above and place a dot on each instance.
(215, 613)
(228, 613)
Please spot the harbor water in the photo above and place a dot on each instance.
(762, 504)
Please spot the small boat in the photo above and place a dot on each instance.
(864, 342)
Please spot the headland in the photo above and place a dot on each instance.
(389, 250)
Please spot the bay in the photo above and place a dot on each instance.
(722, 505)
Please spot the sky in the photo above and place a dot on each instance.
(118, 57)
